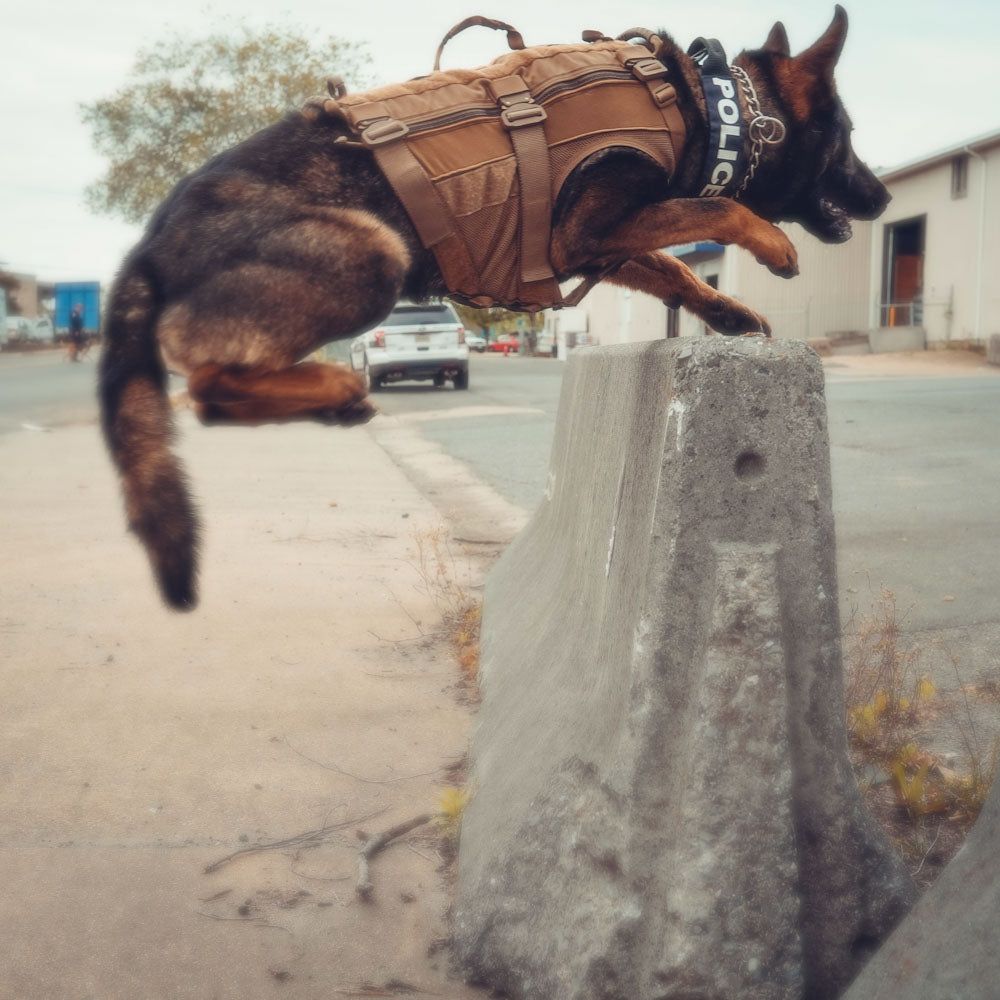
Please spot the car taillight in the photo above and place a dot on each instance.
(380, 338)
(461, 334)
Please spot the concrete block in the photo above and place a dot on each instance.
(848, 342)
(993, 349)
(889, 339)
(947, 947)
(823, 346)
(664, 806)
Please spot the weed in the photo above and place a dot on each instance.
(971, 789)
(916, 794)
(464, 636)
(438, 569)
(884, 692)
(887, 699)
(439, 573)
(451, 808)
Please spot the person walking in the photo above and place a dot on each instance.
(76, 335)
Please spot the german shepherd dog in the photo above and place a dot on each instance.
(291, 240)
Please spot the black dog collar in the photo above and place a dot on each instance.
(725, 158)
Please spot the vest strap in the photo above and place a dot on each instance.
(524, 120)
(653, 73)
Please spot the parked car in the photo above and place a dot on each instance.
(475, 342)
(506, 344)
(422, 342)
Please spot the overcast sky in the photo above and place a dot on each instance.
(915, 77)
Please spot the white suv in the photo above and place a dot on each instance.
(414, 342)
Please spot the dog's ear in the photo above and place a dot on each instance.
(818, 61)
(777, 41)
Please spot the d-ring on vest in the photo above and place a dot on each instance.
(478, 157)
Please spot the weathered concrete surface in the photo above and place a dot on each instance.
(664, 805)
(888, 339)
(993, 349)
(946, 949)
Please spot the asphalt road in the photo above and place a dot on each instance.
(43, 389)
(916, 469)
(508, 446)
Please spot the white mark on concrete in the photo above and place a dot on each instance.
(611, 549)
(550, 485)
(677, 408)
(614, 522)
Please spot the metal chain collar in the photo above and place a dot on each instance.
(762, 129)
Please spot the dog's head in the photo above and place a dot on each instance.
(823, 184)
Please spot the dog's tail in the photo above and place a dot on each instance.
(138, 427)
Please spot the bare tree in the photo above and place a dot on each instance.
(187, 99)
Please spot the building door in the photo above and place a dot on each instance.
(903, 273)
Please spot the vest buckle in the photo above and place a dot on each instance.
(518, 115)
(384, 130)
(647, 68)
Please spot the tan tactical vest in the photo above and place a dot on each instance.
(478, 157)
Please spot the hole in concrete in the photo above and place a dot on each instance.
(750, 465)
(864, 945)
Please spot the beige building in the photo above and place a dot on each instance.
(925, 272)
(935, 256)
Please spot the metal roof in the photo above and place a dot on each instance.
(929, 160)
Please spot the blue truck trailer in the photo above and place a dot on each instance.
(69, 294)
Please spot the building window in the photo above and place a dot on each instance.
(960, 176)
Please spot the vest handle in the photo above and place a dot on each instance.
(514, 39)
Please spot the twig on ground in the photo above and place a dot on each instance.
(378, 843)
(392, 988)
(311, 837)
(398, 642)
(358, 777)
(257, 921)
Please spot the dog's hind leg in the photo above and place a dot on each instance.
(329, 393)
(674, 283)
(240, 326)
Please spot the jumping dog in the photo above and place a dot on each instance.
(294, 238)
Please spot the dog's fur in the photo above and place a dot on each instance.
(289, 241)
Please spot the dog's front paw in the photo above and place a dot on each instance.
(732, 318)
(778, 255)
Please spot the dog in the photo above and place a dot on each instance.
(294, 238)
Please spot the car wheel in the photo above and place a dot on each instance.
(372, 383)
(461, 380)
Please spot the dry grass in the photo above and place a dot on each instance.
(441, 576)
(925, 805)
(464, 637)
(440, 572)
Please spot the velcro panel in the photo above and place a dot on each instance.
(448, 151)
(619, 106)
(479, 188)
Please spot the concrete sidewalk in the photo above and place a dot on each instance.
(310, 689)
(956, 363)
